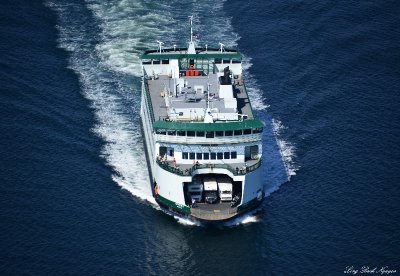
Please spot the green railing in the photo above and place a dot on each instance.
(166, 166)
(188, 172)
(247, 94)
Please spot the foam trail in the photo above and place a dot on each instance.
(256, 95)
(186, 222)
(127, 28)
(286, 149)
(112, 97)
(247, 218)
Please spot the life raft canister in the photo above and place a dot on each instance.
(191, 71)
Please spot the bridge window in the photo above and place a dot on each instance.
(165, 61)
(181, 133)
(191, 133)
(247, 131)
(257, 130)
(200, 133)
(228, 133)
(172, 132)
(210, 134)
(238, 132)
(205, 155)
(218, 60)
(213, 156)
(219, 133)
(160, 131)
(156, 61)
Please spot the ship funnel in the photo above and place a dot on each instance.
(225, 79)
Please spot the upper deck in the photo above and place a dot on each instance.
(195, 102)
(196, 89)
(191, 89)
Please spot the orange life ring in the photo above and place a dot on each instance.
(156, 189)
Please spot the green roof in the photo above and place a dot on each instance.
(208, 126)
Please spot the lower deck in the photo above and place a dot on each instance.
(219, 211)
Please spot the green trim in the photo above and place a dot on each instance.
(177, 54)
(183, 208)
(245, 90)
(208, 126)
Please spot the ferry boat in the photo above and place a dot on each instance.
(202, 139)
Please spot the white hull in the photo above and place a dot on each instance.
(170, 185)
(202, 139)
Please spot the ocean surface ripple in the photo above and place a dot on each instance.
(75, 195)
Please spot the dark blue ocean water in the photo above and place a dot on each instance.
(324, 77)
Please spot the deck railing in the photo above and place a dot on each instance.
(189, 171)
(176, 170)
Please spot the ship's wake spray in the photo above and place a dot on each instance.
(105, 40)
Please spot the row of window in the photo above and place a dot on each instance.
(156, 61)
(209, 134)
(209, 155)
(166, 61)
(220, 60)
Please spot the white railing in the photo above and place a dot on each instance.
(210, 141)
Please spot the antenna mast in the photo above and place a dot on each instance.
(191, 48)
(191, 27)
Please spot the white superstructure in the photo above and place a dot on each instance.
(198, 125)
